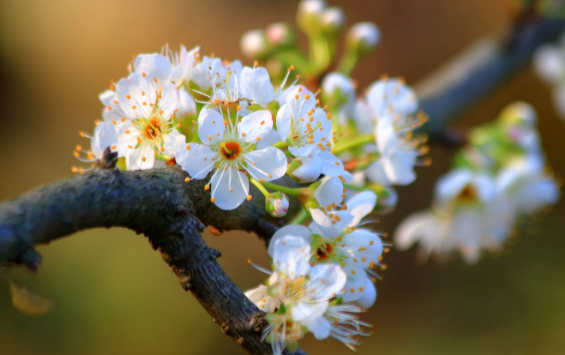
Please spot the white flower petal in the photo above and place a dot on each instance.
(291, 256)
(269, 163)
(356, 280)
(329, 193)
(169, 100)
(293, 230)
(400, 168)
(322, 224)
(361, 205)
(369, 296)
(202, 74)
(229, 188)
(210, 126)
(261, 298)
(127, 138)
(318, 326)
(326, 281)
(186, 105)
(136, 95)
(332, 165)
(140, 159)
(271, 139)
(256, 85)
(256, 126)
(173, 142)
(284, 120)
(415, 227)
(157, 68)
(196, 161)
(105, 136)
(376, 173)
(303, 310)
(309, 171)
(384, 95)
(363, 245)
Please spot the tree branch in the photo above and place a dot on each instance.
(452, 90)
(159, 204)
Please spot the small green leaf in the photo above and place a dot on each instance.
(28, 302)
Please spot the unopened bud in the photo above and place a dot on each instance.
(520, 113)
(254, 44)
(338, 90)
(333, 21)
(309, 15)
(276, 204)
(363, 38)
(281, 35)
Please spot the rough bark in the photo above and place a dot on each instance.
(162, 206)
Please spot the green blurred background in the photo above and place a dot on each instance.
(115, 294)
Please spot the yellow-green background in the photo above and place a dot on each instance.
(115, 294)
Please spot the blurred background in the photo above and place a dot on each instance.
(115, 295)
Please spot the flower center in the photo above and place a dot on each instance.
(230, 150)
(324, 252)
(152, 128)
(468, 194)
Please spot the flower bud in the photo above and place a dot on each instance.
(520, 113)
(254, 44)
(309, 15)
(333, 21)
(276, 204)
(363, 38)
(338, 90)
(281, 35)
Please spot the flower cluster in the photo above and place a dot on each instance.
(322, 277)
(240, 128)
(498, 179)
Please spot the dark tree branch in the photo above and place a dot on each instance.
(159, 204)
(465, 81)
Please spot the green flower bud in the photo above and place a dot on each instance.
(363, 38)
(309, 15)
(333, 21)
(281, 35)
(254, 44)
(276, 204)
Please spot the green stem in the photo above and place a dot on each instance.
(287, 190)
(300, 216)
(280, 145)
(296, 57)
(354, 187)
(348, 62)
(366, 139)
(260, 187)
(320, 53)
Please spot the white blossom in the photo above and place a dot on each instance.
(334, 238)
(392, 107)
(470, 215)
(307, 130)
(298, 292)
(230, 150)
